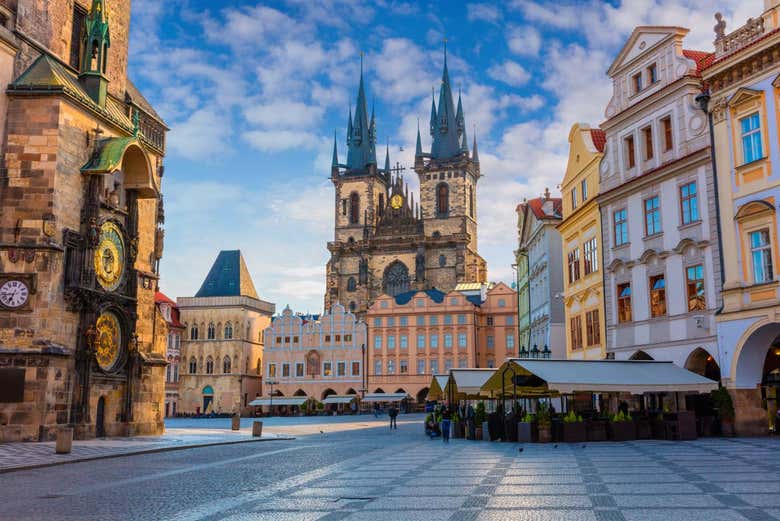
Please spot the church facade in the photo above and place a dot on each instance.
(384, 241)
(81, 220)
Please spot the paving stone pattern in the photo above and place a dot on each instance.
(708, 479)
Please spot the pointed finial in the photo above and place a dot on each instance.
(418, 150)
(474, 152)
(335, 162)
(387, 156)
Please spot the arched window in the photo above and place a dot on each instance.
(259, 366)
(471, 201)
(226, 365)
(396, 279)
(352, 306)
(381, 208)
(351, 284)
(209, 365)
(442, 261)
(194, 332)
(228, 331)
(354, 208)
(442, 199)
(212, 331)
(193, 365)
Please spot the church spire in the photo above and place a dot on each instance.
(335, 162)
(446, 139)
(433, 113)
(96, 39)
(474, 152)
(362, 150)
(418, 151)
(387, 157)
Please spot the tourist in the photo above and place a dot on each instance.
(431, 427)
(446, 416)
(393, 413)
(376, 409)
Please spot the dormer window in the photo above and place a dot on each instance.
(652, 74)
(636, 80)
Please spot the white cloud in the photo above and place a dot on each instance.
(279, 140)
(284, 114)
(524, 41)
(509, 72)
(205, 133)
(483, 12)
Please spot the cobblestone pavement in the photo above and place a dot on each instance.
(375, 474)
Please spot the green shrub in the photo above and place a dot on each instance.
(572, 417)
(721, 400)
(621, 417)
(543, 415)
(304, 406)
(320, 406)
(528, 418)
(480, 415)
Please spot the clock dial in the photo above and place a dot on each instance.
(108, 342)
(14, 293)
(396, 201)
(110, 257)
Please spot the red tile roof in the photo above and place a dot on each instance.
(702, 59)
(599, 138)
(160, 297)
(537, 207)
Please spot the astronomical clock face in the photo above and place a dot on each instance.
(396, 201)
(14, 293)
(108, 343)
(110, 257)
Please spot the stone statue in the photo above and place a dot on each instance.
(720, 26)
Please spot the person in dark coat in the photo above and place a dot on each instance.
(393, 414)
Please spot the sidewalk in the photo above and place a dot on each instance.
(19, 456)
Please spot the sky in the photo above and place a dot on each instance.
(253, 91)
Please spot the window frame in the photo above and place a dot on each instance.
(751, 134)
(647, 135)
(689, 203)
(765, 250)
(658, 295)
(698, 286)
(654, 211)
(622, 224)
(625, 312)
(591, 258)
(630, 147)
(666, 126)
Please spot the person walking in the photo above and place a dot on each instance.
(393, 413)
(376, 409)
(446, 417)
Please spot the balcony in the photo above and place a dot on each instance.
(739, 38)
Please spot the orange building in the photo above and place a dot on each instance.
(417, 334)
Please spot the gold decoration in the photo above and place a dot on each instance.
(109, 257)
(396, 201)
(108, 342)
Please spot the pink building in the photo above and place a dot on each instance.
(314, 356)
(417, 334)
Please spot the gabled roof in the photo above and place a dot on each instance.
(654, 35)
(702, 59)
(599, 138)
(228, 277)
(160, 298)
(537, 207)
(134, 96)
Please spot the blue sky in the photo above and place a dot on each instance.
(253, 91)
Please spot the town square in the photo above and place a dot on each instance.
(531, 276)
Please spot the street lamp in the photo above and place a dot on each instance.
(271, 406)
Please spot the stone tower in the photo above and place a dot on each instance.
(383, 241)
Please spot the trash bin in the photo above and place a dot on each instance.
(64, 440)
(257, 429)
(236, 422)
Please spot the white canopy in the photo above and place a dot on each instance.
(634, 376)
(385, 397)
(469, 381)
(336, 398)
(295, 400)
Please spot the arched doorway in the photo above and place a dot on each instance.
(422, 394)
(299, 392)
(351, 391)
(701, 362)
(327, 392)
(755, 379)
(641, 355)
(100, 418)
(379, 390)
(208, 399)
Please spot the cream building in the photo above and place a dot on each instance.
(315, 356)
(659, 223)
(223, 348)
(580, 229)
(744, 79)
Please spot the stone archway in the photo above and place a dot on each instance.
(754, 384)
(422, 394)
(327, 392)
(641, 355)
(701, 362)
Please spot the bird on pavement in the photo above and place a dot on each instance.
(520, 449)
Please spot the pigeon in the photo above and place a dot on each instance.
(322, 432)
(555, 446)
(520, 449)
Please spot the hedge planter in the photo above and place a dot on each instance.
(644, 430)
(596, 430)
(527, 433)
(460, 430)
(510, 430)
(545, 433)
(622, 431)
(485, 432)
(574, 432)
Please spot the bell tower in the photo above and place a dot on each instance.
(96, 40)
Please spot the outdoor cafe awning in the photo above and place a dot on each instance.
(296, 400)
(601, 376)
(339, 398)
(384, 397)
(436, 389)
(465, 383)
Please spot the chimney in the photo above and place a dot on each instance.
(547, 203)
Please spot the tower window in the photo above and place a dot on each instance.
(471, 201)
(381, 209)
(354, 208)
(442, 200)
(442, 261)
(79, 19)
(351, 284)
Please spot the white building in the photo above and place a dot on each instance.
(659, 225)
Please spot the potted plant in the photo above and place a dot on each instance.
(573, 428)
(544, 423)
(526, 429)
(458, 427)
(480, 419)
(724, 407)
(320, 408)
(621, 427)
(304, 408)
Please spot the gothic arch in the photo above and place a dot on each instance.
(300, 392)
(641, 355)
(327, 392)
(354, 208)
(701, 362)
(442, 199)
(396, 279)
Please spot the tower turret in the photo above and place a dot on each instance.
(94, 58)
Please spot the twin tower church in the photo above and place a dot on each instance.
(384, 241)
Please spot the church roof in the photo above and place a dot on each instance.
(434, 294)
(228, 277)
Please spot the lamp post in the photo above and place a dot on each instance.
(271, 406)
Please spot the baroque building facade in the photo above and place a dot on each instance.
(384, 242)
(81, 219)
(539, 242)
(222, 352)
(658, 209)
(744, 81)
(417, 334)
(315, 356)
(171, 331)
(583, 295)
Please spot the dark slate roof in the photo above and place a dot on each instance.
(404, 298)
(475, 299)
(228, 277)
(136, 97)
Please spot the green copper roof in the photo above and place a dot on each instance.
(361, 143)
(109, 154)
(447, 131)
(228, 277)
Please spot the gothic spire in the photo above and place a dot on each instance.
(96, 39)
(387, 157)
(433, 113)
(418, 151)
(446, 141)
(335, 162)
(361, 151)
(474, 153)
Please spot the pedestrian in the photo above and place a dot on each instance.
(393, 413)
(446, 416)
(376, 409)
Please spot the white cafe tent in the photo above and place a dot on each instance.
(384, 397)
(281, 400)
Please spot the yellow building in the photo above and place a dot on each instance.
(581, 235)
(745, 92)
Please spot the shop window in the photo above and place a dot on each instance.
(657, 296)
